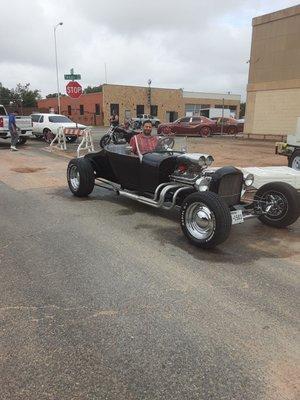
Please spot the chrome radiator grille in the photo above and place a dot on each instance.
(230, 187)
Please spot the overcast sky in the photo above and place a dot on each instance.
(198, 45)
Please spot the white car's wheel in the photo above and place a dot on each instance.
(48, 135)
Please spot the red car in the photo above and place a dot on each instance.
(231, 126)
(201, 126)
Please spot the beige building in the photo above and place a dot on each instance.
(273, 91)
(129, 101)
(166, 104)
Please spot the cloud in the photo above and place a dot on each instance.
(194, 44)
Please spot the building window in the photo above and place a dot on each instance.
(114, 109)
(195, 109)
(97, 109)
(232, 108)
(81, 109)
(69, 110)
(153, 111)
(140, 109)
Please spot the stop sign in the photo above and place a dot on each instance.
(74, 89)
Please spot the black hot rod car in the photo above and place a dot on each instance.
(210, 199)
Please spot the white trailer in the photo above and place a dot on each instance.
(291, 148)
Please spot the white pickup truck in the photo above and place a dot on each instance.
(23, 123)
(144, 117)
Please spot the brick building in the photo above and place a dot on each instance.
(129, 101)
(87, 109)
(273, 91)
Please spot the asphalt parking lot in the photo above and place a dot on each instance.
(102, 298)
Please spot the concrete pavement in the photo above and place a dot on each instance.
(102, 298)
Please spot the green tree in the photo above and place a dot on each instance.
(93, 89)
(5, 95)
(242, 110)
(53, 95)
(23, 94)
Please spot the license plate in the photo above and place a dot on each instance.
(237, 217)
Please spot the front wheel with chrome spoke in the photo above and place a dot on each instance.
(205, 219)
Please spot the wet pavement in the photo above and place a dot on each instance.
(102, 298)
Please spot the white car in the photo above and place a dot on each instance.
(46, 126)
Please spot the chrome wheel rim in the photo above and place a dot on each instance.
(276, 205)
(200, 221)
(74, 177)
(296, 163)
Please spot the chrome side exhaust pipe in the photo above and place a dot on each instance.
(159, 196)
(160, 202)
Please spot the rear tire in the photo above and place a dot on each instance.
(205, 219)
(48, 135)
(232, 130)
(22, 140)
(205, 131)
(81, 177)
(294, 160)
(286, 208)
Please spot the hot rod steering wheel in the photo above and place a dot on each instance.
(165, 143)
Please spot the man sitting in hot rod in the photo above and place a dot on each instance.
(144, 142)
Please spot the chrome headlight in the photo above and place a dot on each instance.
(209, 160)
(249, 179)
(202, 184)
(202, 161)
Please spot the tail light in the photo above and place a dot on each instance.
(1, 122)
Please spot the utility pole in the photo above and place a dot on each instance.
(149, 95)
(56, 64)
(105, 72)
